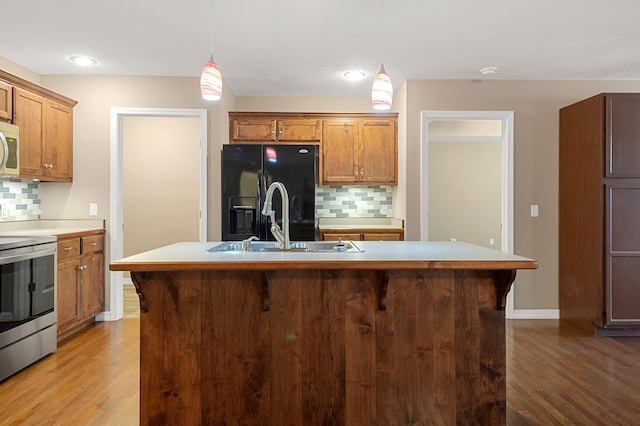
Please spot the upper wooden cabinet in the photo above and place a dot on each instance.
(378, 152)
(6, 101)
(45, 120)
(355, 148)
(261, 128)
(360, 151)
(46, 137)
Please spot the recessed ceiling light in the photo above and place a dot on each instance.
(354, 75)
(83, 61)
(488, 71)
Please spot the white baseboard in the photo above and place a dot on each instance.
(106, 316)
(536, 314)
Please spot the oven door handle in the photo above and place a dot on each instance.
(19, 257)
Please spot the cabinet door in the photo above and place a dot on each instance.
(92, 285)
(623, 135)
(253, 130)
(28, 115)
(378, 152)
(305, 130)
(6, 101)
(340, 151)
(67, 303)
(622, 282)
(58, 142)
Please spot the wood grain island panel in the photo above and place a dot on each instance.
(342, 345)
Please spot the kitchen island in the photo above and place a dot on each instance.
(401, 333)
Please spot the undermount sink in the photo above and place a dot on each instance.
(297, 246)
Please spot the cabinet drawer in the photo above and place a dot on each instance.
(383, 236)
(92, 244)
(336, 237)
(68, 248)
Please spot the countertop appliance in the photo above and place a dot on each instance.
(247, 172)
(27, 301)
(9, 150)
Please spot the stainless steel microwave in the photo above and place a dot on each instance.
(9, 150)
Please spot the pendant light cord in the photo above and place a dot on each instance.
(381, 31)
(211, 29)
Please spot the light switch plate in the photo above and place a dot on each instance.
(93, 209)
(535, 210)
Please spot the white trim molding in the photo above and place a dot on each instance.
(535, 314)
(116, 191)
(507, 118)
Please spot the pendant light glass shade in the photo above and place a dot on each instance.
(211, 81)
(382, 91)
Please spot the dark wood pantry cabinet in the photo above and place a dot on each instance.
(599, 197)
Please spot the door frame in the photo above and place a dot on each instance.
(116, 233)
(506, 117)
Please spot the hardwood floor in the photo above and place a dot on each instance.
(130, 301)
(582, 380)
(551, 379)
(92, 379)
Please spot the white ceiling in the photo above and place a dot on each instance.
(302, 47)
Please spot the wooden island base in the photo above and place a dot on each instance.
(323, 347)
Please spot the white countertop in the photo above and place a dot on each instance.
(377, 255)
(49, 226)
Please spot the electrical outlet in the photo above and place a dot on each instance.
(383, 210)
(4, 212)
(93, 209)
(359, 209)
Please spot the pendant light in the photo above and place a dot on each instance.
(211, 77)
(382, 90)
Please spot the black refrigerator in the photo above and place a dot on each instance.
(247, 172)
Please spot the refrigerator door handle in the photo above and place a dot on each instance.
(261, 221)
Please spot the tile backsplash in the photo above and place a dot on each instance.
(20, 200)
(350, 201)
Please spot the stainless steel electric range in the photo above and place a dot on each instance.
(27, 301)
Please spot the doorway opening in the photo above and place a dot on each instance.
(116, 231)
(504, 194)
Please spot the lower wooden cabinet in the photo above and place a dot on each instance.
(80, 284)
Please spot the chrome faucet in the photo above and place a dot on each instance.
(247, 243)
(282, 236)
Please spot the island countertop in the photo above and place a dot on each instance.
(193, 256)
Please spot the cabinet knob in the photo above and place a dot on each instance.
(82, 267)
